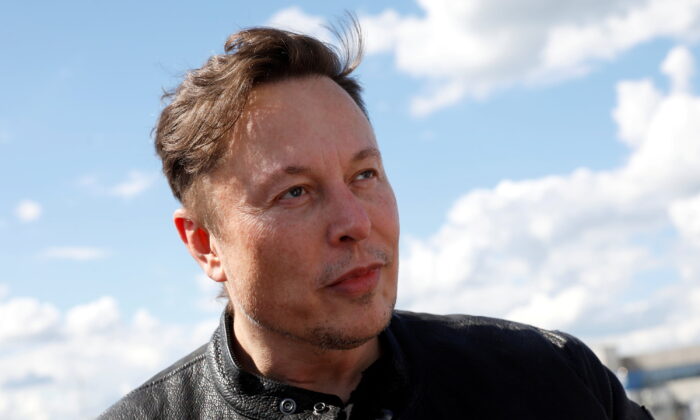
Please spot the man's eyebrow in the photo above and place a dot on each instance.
(279, 174)
(365, 153)
(361, 155)
(295, 170)
(299, 169)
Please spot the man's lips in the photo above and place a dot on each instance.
(357, 282)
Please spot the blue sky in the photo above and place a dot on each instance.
(546, 162)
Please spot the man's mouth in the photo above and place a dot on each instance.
(357, 282)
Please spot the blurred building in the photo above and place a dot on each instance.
(667, 382)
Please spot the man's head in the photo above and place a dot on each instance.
(300, 221)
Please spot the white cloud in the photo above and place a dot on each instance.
(571, 44)
(92, 318)
(381, 29)
(671, 317)
(633, 116)
(470, 49)
(75, 365)
(136, 183)
(28, 211)
(441, 97)
(294, 19)
(75, 253)
(679, 66)
(26, 319)
(685, 215)
(573, 251)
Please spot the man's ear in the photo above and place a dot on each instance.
(200, 243)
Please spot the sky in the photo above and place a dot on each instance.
(545, 156)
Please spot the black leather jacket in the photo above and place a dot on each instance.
(433, 367)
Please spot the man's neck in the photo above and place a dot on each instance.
(301, 364)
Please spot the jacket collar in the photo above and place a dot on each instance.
(259, 397)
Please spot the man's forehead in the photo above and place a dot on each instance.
(298, 98)
(282, 116)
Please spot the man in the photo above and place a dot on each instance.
(287, 204)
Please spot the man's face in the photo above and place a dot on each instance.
(307, 221)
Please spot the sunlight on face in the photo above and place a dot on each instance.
(308, 220)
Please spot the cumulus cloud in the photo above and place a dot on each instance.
(76, 363)
(296, 20)
(75, 253)
(470, 49)
(28, 211)
(573, 251)
(633, 116)
(679, 66)
(93, 317)
(26, 319)
(685, 215)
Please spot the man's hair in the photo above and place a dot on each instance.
(195, 128)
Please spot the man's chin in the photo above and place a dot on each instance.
(346, 332)
(347, 338)
(335, 340)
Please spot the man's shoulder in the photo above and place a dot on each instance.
(489, 361)
(476, 341)
(462, 328)
(155, 396)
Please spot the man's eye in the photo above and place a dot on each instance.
(369, 173)
(294, 192)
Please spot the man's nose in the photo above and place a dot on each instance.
(348, 218)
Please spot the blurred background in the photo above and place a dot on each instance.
(545, 156)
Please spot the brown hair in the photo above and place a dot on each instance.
(194, 128)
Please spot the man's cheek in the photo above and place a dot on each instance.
(287, 258)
